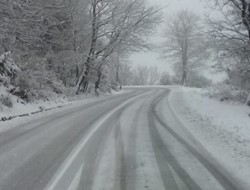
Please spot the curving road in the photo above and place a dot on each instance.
(131, 141)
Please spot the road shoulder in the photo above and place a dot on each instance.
(31, 112)
(221, 128)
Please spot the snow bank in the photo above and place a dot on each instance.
(222, 128)
(19, 108)
(22, 113)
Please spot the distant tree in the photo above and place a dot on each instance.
(140, 75)
(165, 79)
(116, 63)
(153, 75)
(126, 74)
(184, 43)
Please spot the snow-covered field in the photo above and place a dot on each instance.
(223, 128)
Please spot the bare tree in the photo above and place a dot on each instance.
(231, 29)
(140, 75)
(184, 42)
(154, 75)
(114, 24)
(165, 79)
(231, 35)
(126, 74)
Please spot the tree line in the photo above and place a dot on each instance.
(222, 37)
(80, 45)
(73, 43)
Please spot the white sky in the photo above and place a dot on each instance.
(170, 6)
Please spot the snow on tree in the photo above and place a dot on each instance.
(117, 23)
(8, 68)
(51, 34)
(231, 35)
(67, 43)
(144, 75)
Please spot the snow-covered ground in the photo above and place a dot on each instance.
(20, 107)
(223, 128)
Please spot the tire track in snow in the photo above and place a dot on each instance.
(164, 157)
(78, 153)
(148, 171)
(224, 181)
(120, 168)
(50, 156)
(126, 154)
(96, 147)
(26, 129)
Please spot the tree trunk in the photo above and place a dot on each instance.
(184, 69)
(184, 62)
(83, 80)
(77, 72)
(184, 77)
(84, 77)
(245, 15)
(248, 99)
(117, 77)
(97, 83)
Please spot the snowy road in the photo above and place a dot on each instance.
(129, 141)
